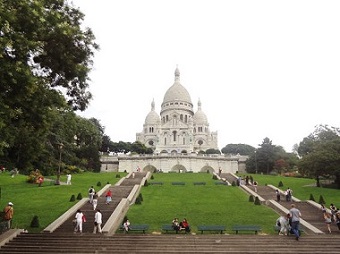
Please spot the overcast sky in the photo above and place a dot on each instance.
(260, 68)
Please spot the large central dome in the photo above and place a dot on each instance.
(177, 92)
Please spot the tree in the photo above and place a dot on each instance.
(212, 151)
(320, 153)
(45, 60)
(268, 157)
(241, 149)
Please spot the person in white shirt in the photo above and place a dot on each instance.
(79, 221)
(68, 179)
(98, 222)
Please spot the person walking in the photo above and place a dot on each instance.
(108, 197)
(328, 221)
(8, 214)
(278, 195)
(295, 215)
(98, 220)
(95, 200)
(80, 218)
(91, 193)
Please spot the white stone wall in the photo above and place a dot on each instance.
(177, 163)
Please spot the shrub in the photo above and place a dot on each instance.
(233, 183)
(141, 197)
(73, 198)
(108, 183)
(251, 198)
(99, 184)
(257, 201)
(146, 183)
(34, 176)
(321, 200)
(152, 177)
(280, 184)
(311, 197)
(35, 222)
(79, 197)
(214, 177)
(138, 201)
(118, 175)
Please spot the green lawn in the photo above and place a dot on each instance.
(200, 204)
(49, 201)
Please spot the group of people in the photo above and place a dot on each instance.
(93, 199)
(288, 194)
(290, 223)
(80, 218)
(183, 225)
(330, 217)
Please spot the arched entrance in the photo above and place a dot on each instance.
(178, 168)
(208, 169)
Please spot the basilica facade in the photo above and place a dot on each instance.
(177, 129)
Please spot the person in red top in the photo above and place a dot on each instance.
(108, 197)
(185, 225)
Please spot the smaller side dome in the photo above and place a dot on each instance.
(152, 118)
(200, 117)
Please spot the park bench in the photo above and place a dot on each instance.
(156, 183)
(137, 227)
(216, 228)
(168, 228)
(178, 183)
(221, 183)
(199, 183)
(238, 228)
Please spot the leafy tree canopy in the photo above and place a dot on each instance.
(320, 154)
(241, 149)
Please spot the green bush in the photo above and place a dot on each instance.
(311, 197)
(138, 201)
(280, 184)
(118, 175)
(73, 198)
(79, 197)
(151, 177)
(146, 183)
(99, 184)
(321, 200)
(140, 196)
(257, 201)
(233, 183)
(35, 222)
(214, 177)
(251, 198)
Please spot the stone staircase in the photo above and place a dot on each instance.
(139, 243)
(63, 240)
(310, 213)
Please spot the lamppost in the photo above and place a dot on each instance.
(255, 162)
(60, 147)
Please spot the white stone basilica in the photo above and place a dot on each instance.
(177, 129)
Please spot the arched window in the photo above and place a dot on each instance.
(174, 133)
